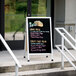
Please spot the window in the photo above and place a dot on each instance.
(15, 14)
(39, 8)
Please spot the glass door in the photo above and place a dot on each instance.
(39, 8)
(15, 15)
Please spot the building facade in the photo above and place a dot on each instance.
(13, 14)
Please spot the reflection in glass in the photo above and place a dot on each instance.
(15, 14)
(39, 8)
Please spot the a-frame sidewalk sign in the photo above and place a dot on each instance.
(38, 38)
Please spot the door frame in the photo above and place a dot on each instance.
(52, 18)
(1, 22)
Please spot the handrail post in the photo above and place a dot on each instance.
(16, 70)
(62, 57)
(66, 57)
(63, 47)
(17, 64)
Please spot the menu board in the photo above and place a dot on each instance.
(39, 35)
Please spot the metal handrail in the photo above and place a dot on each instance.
(58, 30)
(63, 47)
(11, 53)
(67, 51)
(66, 56)
(68, 34)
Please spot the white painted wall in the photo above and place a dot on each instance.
(59, 18)
(65, 11)
(70, 11)
(60, 10)
(70, 18)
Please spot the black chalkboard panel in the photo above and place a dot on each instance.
(39, 35)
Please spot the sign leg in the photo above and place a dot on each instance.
(28, 58)
(52, 57)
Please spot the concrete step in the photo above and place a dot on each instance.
(45, 72)
(29, 67)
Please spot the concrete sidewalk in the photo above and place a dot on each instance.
(39, 65)
(6, 59)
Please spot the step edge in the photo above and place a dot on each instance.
(34, 72)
